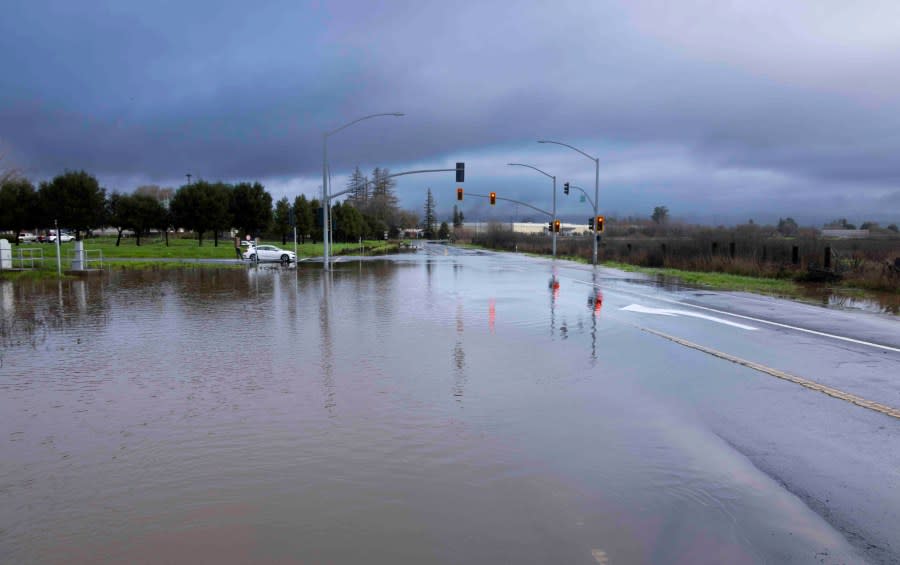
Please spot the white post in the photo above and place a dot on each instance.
(554, 217)
(596, 204)
(325, 220)
(58, 258)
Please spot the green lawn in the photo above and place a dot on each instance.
(181, 248)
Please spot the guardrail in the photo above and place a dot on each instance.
(28, 256)
(90, 259)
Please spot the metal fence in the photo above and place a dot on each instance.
(28, 257)
(90, 259)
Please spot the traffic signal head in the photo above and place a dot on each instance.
(493, 196)
(460, 172)
(600, 221)
(591, 222)
(459, 193)
(550, 225)
(566, 189)
(556, 226)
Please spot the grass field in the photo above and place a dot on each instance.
(183, 249)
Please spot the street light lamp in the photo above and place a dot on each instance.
(554, 196)
(326, 200)
(596, 161)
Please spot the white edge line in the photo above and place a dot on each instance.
(760, 320)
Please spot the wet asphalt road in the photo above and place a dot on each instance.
(842, 460)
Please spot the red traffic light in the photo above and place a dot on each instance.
(493, 196)
(556, 225)
(459, 193)
(600, 222)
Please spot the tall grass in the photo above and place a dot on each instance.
(863, 263)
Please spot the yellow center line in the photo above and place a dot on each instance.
(833, 392)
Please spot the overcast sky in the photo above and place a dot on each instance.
(722, 111)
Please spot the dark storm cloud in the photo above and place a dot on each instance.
(698, 106)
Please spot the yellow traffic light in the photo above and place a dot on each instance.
(459, 193)
(556, 225)
(493, 198)
(600, 221)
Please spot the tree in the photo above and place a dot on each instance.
(458, 217)
(139, 213)
(201, 207)
(76, 200)
(444, 232)
(383, 201)
(282, 221)
(304, 217)
(18, 205)
(893, 228)
(114, 216)
(660, 215)
(869, 226)
(349, 224)
(162, 195)
(788, 227)
(430, 220)
(840, 224)
(251, 208)
(315, 232)
(407, 218)
(359, 190)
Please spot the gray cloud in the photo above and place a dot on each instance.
(712, 109)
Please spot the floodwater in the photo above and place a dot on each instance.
(416, 409)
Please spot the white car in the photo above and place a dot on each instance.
(63, 238)
(269, 253)
(27, 237)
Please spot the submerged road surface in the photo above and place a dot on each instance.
(445, 407)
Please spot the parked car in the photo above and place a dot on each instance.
(269, 253)
(63, 237)
(25, 237)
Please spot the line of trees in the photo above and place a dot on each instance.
(78, 203)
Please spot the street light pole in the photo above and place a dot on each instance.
(326, 199)
(596, 161)
(553, 220)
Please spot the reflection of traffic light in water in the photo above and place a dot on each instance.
(492, 314)
(595, 301)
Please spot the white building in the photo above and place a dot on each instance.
(530, 227)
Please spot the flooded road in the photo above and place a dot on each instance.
(442, 407)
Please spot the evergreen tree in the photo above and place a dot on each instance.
(444, 232)
(430, 221)
(457, 217)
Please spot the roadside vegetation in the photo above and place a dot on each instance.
(778, 259)
(207, 212)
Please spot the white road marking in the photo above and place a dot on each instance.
(670, 312)
(751, 318)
